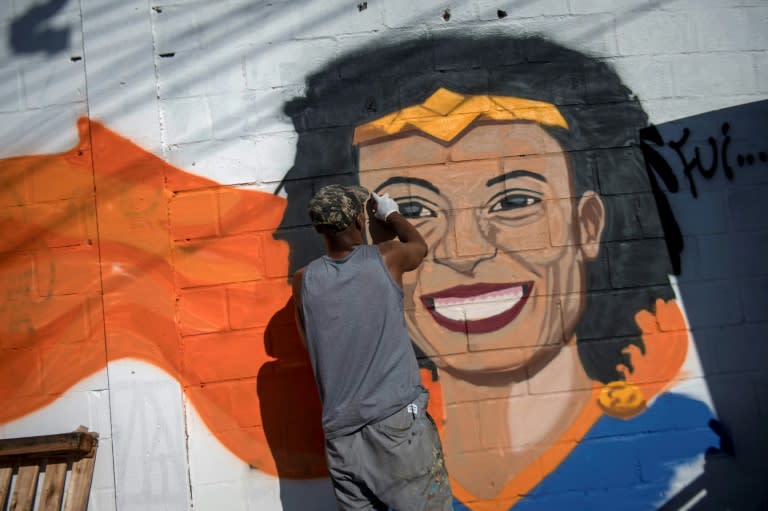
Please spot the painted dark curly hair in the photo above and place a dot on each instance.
(603, 117)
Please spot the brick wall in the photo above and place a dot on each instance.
(145, 293)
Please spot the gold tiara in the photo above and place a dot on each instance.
(445, 114)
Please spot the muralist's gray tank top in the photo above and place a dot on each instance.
(362, 357)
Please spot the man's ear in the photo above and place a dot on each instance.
(591, 215)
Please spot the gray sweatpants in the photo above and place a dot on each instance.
(395, 463)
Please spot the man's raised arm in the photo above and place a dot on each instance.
(411, 249)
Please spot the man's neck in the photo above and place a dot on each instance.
(341, 247)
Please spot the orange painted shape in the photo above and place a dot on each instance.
(253, 304)
(246, 410)
(219, 260)
(49, 182)
(666, 345)
(203, 310)
(222, 356)
(30, 179)
(27, 227)
(194, 215)
(133, 271)
(67, 270)
(17, 278)
(669, 317)
(14, 183)
(158, 344)
(65, 362)
(21, 377)
(66, 317)
(239, 216)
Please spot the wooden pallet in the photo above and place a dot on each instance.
(66, 461)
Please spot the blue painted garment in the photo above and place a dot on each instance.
(626, 464)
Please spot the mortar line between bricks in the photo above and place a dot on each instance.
(171, 253)
(244, 24)
(229, 330)
(98, 252)
(218, 285)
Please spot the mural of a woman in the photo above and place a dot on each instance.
(544, 311)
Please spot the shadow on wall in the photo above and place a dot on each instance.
(289, 403)
(712, 171)
(31, 33)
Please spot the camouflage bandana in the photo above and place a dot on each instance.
(336, 206)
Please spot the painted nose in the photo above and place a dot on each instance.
(465, 246)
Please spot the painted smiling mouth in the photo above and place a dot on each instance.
(479, 308)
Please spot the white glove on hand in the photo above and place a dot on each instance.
(385, 206)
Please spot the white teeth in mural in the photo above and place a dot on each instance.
(481, 306)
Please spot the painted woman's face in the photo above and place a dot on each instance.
(507, 239)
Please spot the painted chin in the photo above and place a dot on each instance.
(479, 308)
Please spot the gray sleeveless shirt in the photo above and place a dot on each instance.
(362, 357)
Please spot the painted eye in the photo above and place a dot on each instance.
(413, 209)
(514, 201)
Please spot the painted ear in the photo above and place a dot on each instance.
(591, 223)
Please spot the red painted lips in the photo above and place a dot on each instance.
(479, 308)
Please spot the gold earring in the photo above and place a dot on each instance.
(621, 399)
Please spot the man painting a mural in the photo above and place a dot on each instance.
(543, 319)
(382, 447)
(499, 166)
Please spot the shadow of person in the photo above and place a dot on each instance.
(726, 482)
(30, 32)
(291, 411)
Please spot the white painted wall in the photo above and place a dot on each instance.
(214, 108)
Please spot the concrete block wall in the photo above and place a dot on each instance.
(145, 293)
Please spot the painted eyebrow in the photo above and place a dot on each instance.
(408, 180)
(515, 173)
